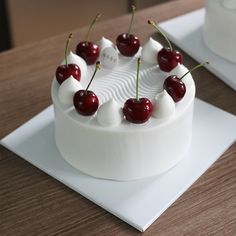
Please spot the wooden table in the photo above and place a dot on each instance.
(33, 203)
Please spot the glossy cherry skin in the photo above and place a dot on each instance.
(137, 111)
(88, 51)
(175, 87)
(168, 59)
(86, 102)
(127, 44)
(63, 72)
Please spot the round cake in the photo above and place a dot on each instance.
(132, 118)
(126, 151)
(219, 31)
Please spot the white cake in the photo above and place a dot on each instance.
(219, 31)
(105, 145)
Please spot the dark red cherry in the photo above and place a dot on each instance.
(138, 111)
(168, 59)
(88, 51)
(127, 44)
(63, 72)
(86, 102)
(175, 87)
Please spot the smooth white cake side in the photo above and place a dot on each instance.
(128, 151)
(125, 155)
(219, 32)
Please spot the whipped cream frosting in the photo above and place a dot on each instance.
(180, 70)
(164, 106)
(150, 50)
(104, 43)
(75, 59)
(67, 90)
(110, 113)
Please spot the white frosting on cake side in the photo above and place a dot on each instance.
(75, 59)
(219, 32)
(150, 51)
(125, 151)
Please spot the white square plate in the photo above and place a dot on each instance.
(186, 32)
(139, 203)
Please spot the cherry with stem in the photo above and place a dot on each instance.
(127, 43)
(86, 101)
(175, 86)
(89, 51)
(63, 72)
(137, 110)
(167, 57)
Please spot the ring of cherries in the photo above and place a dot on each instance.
(136, 110)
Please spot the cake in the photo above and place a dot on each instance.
(219, 31)
(124, 151)
(107, 133)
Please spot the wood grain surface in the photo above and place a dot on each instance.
(33, 203)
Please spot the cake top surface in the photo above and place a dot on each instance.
(118, 85)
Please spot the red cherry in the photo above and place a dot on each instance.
(63, 72)
(175, 87)
(127, 44)
(138, 111)
(168, 59)
(86, 102)
(88, 51)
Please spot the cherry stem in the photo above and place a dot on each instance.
(194, 68)
(67, 45)
(98, 66)
(150, 22)
(137, 79)
(92, 24)
(132, 18)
